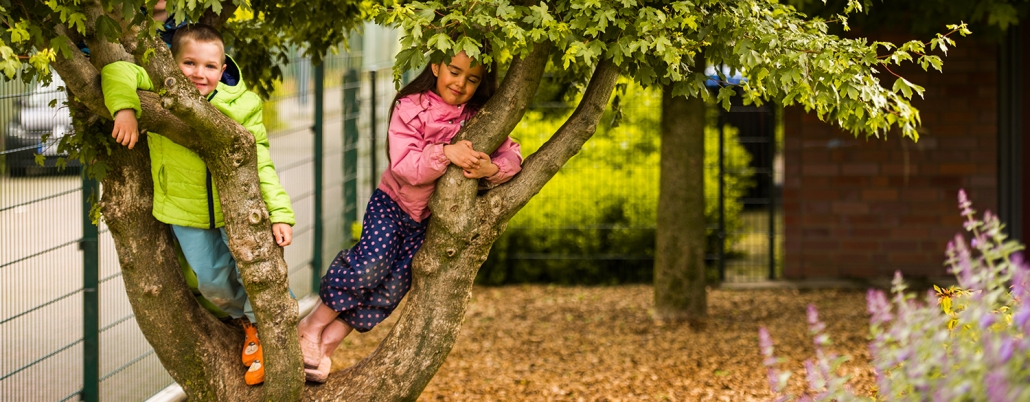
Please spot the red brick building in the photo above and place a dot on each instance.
(864, 208)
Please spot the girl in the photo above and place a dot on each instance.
(363, 285)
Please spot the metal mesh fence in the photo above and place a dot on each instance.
(594, 222)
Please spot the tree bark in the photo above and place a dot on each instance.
(201, 353)
(210, 368)
(679, 271)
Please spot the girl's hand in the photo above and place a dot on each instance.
(463, 155)
(486, 169)
(126, 129)
(283, 234)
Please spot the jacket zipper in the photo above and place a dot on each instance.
(210, 189)
(210, 200)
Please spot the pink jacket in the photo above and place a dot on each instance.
(421, 125)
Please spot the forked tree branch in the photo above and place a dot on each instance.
(487, 130)
(444, 267)
(543, 164)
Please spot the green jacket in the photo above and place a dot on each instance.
(184, 193)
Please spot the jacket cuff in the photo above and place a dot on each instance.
(503, 172)
(437, 157)
(116, 107)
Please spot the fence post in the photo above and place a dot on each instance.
(351, 86)
(770, 129)
(316, 255)
(372, 130)
(721, 238)
(90, 298)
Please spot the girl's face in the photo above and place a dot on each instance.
(457, 82)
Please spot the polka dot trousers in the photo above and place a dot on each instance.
(366, 283)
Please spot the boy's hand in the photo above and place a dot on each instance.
(283, 234)
(486, 169)
(462, 155)
(126, 129)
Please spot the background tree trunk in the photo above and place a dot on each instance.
(679, 272)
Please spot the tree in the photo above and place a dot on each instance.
(783, 55)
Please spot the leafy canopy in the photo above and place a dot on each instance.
(783, 55)
(258, 32)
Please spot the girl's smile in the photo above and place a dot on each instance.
(457, 81)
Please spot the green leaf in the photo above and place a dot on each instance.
(108, 28)
(904, 86)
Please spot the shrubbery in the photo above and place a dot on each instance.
(966, 343)
(594, 222)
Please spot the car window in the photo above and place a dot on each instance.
(43, 95)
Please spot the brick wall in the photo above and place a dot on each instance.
(858, 208)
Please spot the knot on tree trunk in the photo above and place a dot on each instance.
(169, 82)
(496, 204)
(152, 290)
(255, 216)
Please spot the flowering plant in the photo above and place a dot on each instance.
(973, 347)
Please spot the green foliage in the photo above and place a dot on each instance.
(783, 56)
(594, 222)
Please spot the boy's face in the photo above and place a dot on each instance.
(203, 63)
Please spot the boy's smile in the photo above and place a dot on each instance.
(203, 63)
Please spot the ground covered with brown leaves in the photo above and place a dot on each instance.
(552, 343)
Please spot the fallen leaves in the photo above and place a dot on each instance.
(551, 343)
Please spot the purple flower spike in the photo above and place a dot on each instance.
(964, 204)
(813, 320)
(1022, 318)
(879, 307)
(1005, 351)
(986, 321)
(997, 387)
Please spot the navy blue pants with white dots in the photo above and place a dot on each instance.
(366, 283)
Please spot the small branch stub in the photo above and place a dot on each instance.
(169, 82)
(451, 252)
(255, 217)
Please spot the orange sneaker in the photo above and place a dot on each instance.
(252, 350)
(256, 374)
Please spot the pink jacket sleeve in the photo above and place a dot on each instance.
(412, 159)
(508, 158)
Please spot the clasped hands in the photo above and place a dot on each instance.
(474, 164)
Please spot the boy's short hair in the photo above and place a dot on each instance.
(196, 32)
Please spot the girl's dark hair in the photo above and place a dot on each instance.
(426, 81)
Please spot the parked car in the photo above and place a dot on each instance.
(32, 118)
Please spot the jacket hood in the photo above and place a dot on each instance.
(231, 85)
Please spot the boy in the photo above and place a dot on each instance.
(184, 194)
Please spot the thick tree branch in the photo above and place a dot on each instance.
(542, 165)
(487, 130)
(101, 51)
(445, 266)
(229, 150)
(168, 314)
(218, 20)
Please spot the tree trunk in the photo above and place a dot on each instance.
(201, 353)
(679, 271)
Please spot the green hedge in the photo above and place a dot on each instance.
(594, 222)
